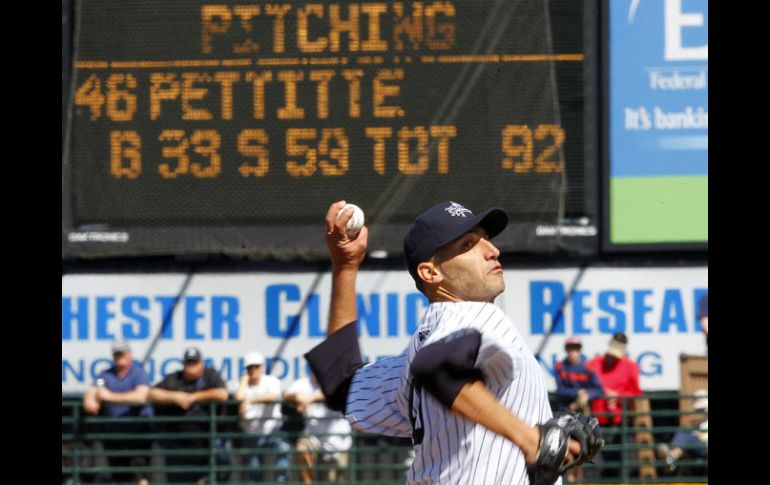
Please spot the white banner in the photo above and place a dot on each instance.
(283, 315)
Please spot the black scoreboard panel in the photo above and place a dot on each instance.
(230, 127)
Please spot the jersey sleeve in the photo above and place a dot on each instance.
(334, 362)
(372, 401)
(480, 342)
(501, 356)
(445, 366)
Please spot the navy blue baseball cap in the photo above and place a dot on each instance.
(442, 224)
(193, 353)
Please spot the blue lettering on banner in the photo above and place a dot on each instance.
(313, 317)
(368, 318)
(77, 370)
(613, 309)
(392, 302)
(650, 364)
(224, 313)
(545, 298)
(579, 310)
(273, 295)
(369, 306)
(193, 316)
(140, 328)
(641, 309)
(103, 316)
(608, 301)
(79, 315)
(673, 312)
(84, 371)
(132, 317)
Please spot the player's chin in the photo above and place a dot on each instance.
(496, 283)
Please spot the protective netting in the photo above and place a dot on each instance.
(230, 127)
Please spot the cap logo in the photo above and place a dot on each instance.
(456, 210)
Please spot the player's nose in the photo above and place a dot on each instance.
(490, 250)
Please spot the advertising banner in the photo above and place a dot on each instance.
(658, 122)
(283, 315)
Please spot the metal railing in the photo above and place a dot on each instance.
(162, 449)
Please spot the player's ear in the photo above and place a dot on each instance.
(429, 273)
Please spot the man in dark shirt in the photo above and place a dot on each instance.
(576, 385)
(185, 393)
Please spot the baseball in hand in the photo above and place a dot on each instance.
(356, 221)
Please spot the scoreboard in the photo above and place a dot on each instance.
(201, 127)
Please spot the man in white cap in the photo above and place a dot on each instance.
(115, 393)
(260, 413)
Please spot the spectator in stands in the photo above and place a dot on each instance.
(689, 443)
(327, 433)
(703, 316)
(576, 385)
(260, 417)
(112, 395)
(619, 377)
(186, 393)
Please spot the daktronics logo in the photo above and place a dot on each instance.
(119, 237)
(573, 231)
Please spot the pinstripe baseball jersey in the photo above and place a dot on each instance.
(372, 399)
(453, 449)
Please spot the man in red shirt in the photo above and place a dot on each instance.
(619, 376)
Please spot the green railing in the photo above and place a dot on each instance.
(221, 450)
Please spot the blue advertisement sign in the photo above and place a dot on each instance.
(658, 68)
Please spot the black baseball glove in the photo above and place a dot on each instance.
(554, 439)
